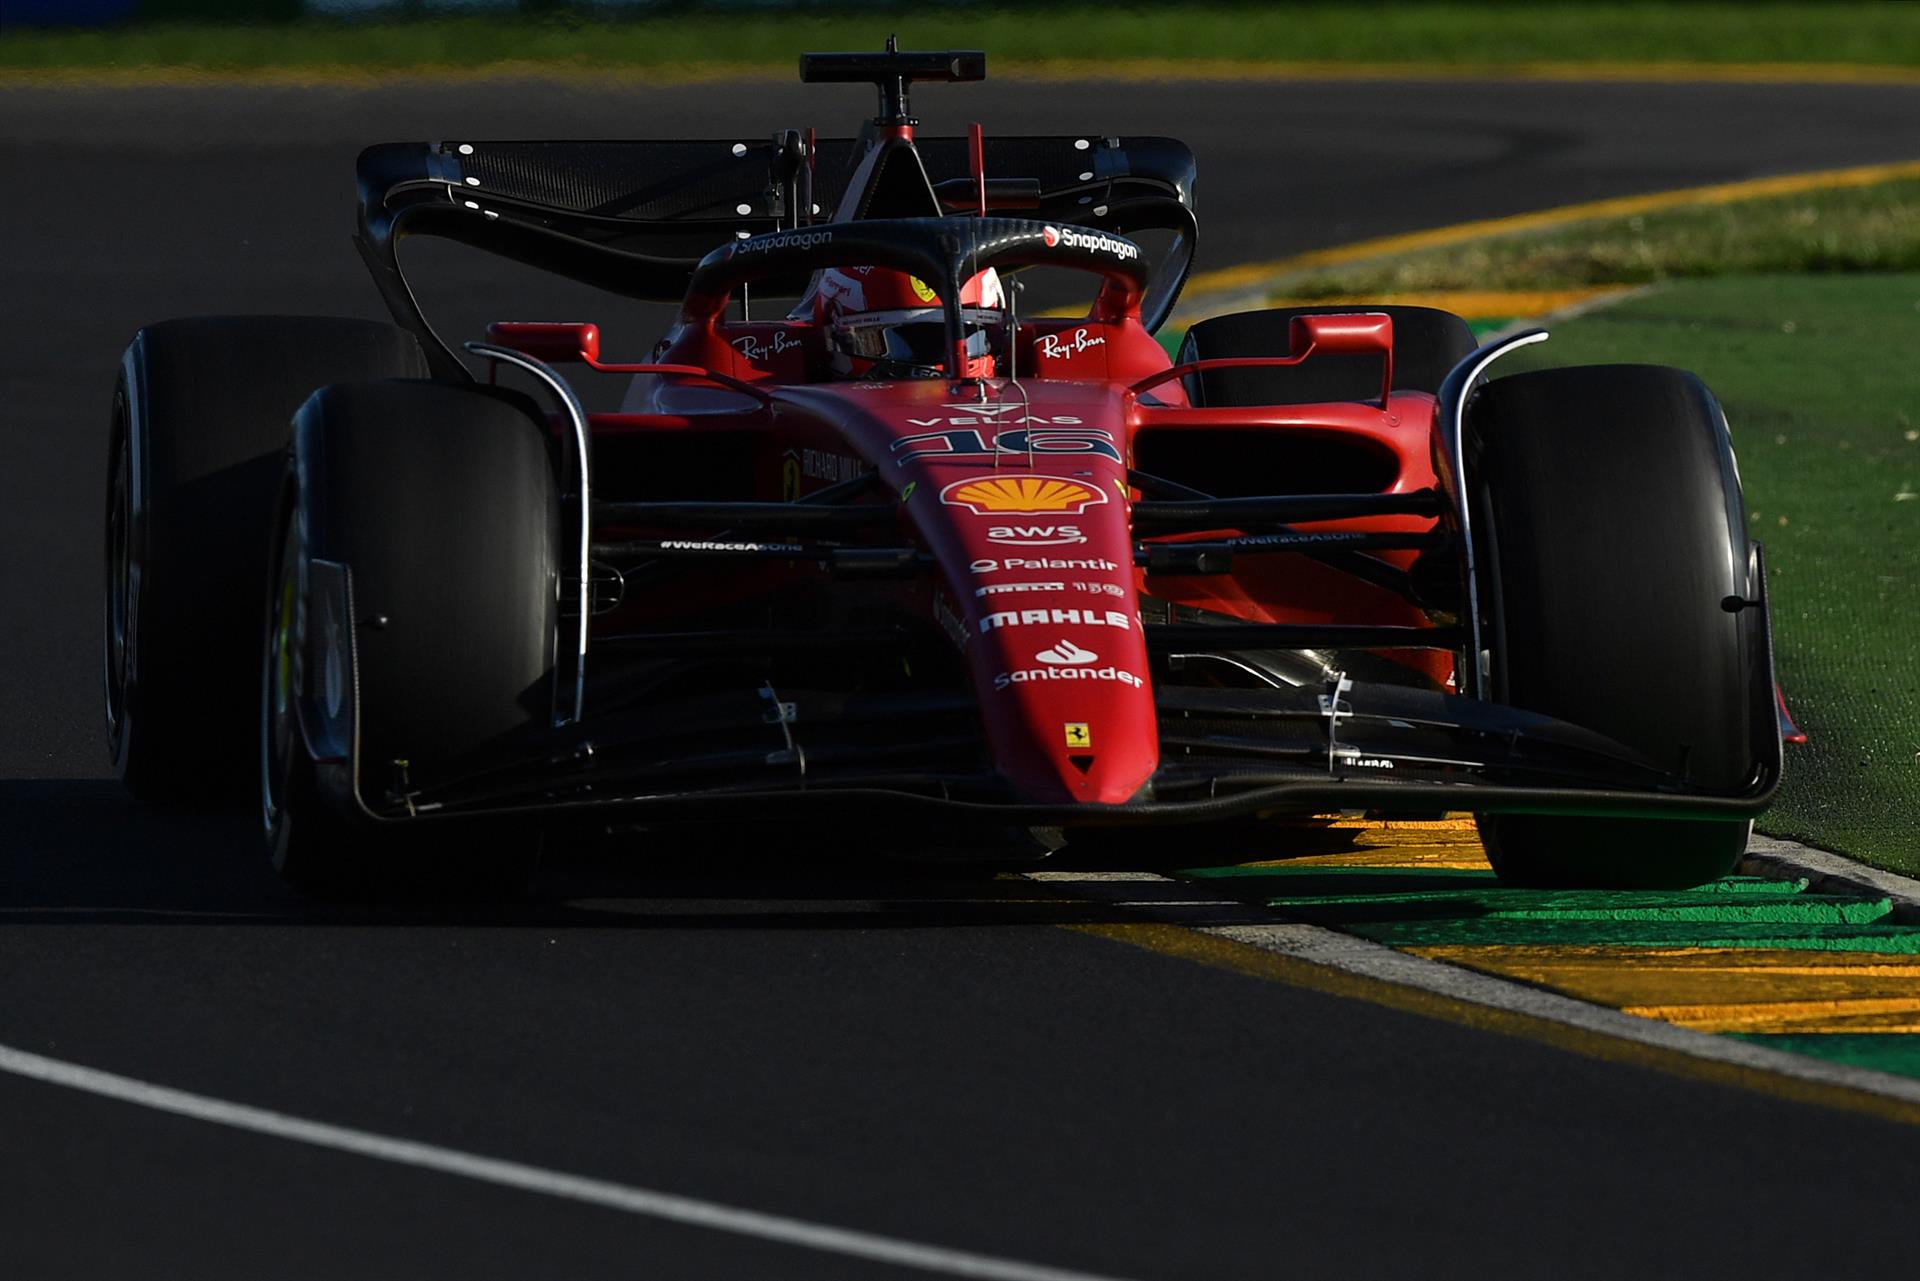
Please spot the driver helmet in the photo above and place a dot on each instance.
(883, 323)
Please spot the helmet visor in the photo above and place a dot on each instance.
(917, 337)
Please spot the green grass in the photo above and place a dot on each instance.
(1842, 229)
(1484, 34)
(1817, 377)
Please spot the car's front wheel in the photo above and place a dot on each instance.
(1612, 541)
(413, 601)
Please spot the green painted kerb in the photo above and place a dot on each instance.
(1434, 907)
(1895, 1052)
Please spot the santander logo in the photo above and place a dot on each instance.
(1066, 653)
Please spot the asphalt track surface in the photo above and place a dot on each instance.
(901, 1052)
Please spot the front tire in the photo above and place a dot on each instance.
(441, 504)
(1609, 529)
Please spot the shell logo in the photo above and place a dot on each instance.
(1027, 495)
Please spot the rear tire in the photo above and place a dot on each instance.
(1427, 344)
(198, 436)
(1609, 528)
(441, 503)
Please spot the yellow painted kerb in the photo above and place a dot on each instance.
(1718, 989)
(1481, 304)
(1252, 274)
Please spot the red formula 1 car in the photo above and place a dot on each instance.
(891, 549)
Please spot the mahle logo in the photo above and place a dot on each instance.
(1055, 617)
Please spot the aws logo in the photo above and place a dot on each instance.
(1026, 495)
(1035, 535)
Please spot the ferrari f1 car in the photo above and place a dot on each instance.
(897, 551)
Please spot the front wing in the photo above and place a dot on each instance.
(761, 753)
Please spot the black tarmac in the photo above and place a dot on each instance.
(901, 1051)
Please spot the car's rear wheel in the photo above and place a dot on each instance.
(434, 510)
(1610, 533)
(198, 434)
(1427, 344)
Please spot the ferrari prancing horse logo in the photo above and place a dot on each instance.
(1078, 734)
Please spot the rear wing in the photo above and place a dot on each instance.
(636, 217)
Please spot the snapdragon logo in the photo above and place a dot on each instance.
(783, 240)
(1097, 241)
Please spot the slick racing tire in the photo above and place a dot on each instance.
(1427, 344)
(195, 452)
(1609, 529)
(412, 611)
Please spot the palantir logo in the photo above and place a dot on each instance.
(1067, 654)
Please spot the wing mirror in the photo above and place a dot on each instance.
(1358, 333)
(556, 342)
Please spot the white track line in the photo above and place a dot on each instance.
(533, 1178)
(1353, 955)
